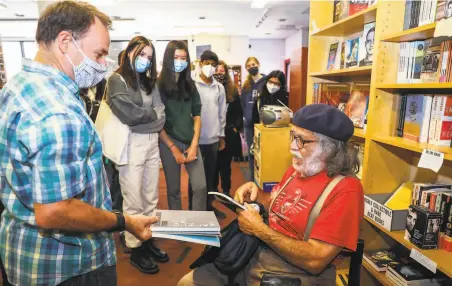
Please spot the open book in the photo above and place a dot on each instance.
(227, 200)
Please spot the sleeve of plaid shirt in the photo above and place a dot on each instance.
(56, 149)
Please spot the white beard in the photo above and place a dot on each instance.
(309, 166)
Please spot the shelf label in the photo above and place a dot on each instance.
(423, 260)
(432, 160)
(378, 213)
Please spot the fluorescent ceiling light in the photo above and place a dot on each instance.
(258, 4)
(3, 5)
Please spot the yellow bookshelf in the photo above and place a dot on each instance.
(388, 160)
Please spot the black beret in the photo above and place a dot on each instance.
(326, 120)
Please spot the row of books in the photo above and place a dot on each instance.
(354, 51)
(352, 99)
(422, 12)
(345, 8)
(401, 269)
(425, 118)
(424, 61)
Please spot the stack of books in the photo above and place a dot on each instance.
(193, 226)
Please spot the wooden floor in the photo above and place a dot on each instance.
(181, 254)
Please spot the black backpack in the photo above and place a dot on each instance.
(235, 251)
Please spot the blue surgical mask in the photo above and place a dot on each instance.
(142, 64)
(180, 65)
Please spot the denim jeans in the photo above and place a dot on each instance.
(105, 276)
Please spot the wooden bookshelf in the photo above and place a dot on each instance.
(413, 86)
(349, 25)
(440, 257)
(418, 33)
(343, 72)
(380, 276)
(412, 145)
(359, 132)
(388, 160)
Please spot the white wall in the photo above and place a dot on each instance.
(270, 53)
(297, 40)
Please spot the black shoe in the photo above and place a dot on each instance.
(122, 240)
(219, 214)
(156, 253)
(141, 259)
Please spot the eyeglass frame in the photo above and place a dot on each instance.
(299, 139)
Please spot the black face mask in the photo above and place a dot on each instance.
(253, 71)
(221, 78)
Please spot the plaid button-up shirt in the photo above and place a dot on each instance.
(49, 152)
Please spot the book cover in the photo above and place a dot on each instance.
(446, 226)
(342, 64)
(430, 63)
(406, 22)
(352, 53)
(444, 9)
(337, 10)
(444, 61)
(411, 272)
(443, 121)
(356, 105)
(335, 94)
(356, 6)
(180, 221)
(366, 48)
(422, 227)
(380, 259)
(332, 56)
(417, 116)
(418, 57)
(200, 239)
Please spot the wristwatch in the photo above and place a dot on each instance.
(120, 222)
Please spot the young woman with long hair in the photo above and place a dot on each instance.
(234, 124)
(135, 99)
(250, 91)
(273, 93)
(179, 139)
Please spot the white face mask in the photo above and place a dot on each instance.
(272, 88)
(208, 70)
(88, 73)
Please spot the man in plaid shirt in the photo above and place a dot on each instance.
(57, 223)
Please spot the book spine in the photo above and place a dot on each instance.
(432, 128)
(423, 137)
(402, 115)
(406, 22)
(418, 57)
(446, 226)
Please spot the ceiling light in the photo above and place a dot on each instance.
(268, 33)
(202, 18)
(282, 20)
(3, 4)
(258, 4)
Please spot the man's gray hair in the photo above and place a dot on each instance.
(339, 157)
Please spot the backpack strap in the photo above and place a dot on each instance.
(315, 211)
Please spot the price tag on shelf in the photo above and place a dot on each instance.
(432, 160)
(423, 260)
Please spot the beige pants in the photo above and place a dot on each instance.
(139, 179)
(264, 261)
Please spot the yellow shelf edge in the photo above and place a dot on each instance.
(351, 71)
(432, 254)
(437, 85)
(359, 133)
(411, 34)
(413, 146)
(324, 31)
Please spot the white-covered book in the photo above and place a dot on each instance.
(176, 221)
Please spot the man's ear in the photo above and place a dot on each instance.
(62, 41)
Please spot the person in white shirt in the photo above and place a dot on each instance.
(213, 116)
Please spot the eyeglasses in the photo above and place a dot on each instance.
(300, 141)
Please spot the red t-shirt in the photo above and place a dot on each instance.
(339, 220)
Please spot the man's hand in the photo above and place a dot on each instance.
(250, 222)
(191, 153)
(247, 190)
(221, 144)
(178, 156)
(140, 226)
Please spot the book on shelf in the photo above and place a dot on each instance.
(352, 52)
(430, 62)
(356, 6)
(366, 46)
(342, 59)
(380, 259)
(412, 273)
(422, 227)
(417, 117)
(193, 226)
(421, 12)
(357, 104)
(444, 10)
(332, 56)
(345, 8)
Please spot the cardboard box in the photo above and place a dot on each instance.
(375, 210)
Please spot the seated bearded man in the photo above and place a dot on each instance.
(319, 144)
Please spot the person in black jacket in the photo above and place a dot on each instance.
(234, 123)
(274, 92)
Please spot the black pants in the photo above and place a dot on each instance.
(209, 157)
(115, 188)
(105, 276)
(223, 170)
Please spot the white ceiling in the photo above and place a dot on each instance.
(169, 19)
